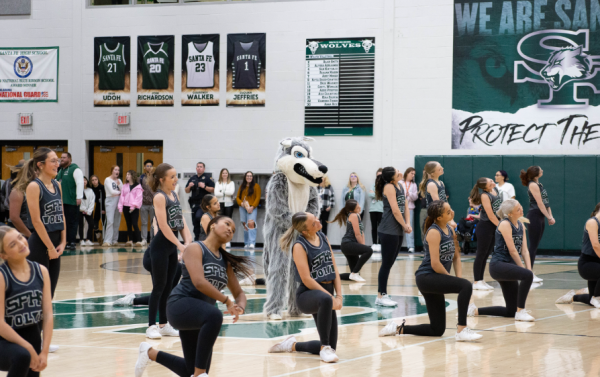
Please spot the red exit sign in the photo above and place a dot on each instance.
(25, 119)
(122, 119)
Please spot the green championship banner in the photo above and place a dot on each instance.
(29, 74)
(525, 75)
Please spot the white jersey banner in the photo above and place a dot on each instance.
(29, 74)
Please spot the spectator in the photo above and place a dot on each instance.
(355, 190)
(86, 210)
(248, 198)
(71, 182)
(506, 190)
(5, 192)
(199, 185)
(130, 203)
(412, 194)
(112, 186)
(18, 213)
(224, 191)
(473, 210)
(375, 212)
(100, 202)
(147, 210)
(326, 203)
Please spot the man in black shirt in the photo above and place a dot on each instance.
(199, 185)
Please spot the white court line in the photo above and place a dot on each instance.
(418, 344)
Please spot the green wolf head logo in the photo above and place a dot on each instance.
(565, 65)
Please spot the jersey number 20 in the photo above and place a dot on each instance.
(155, 68)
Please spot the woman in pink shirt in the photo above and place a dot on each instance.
(130, 203)
(412, 193)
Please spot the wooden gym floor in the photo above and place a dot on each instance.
(97, 339)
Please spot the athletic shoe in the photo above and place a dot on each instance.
(285, 346)
(356, 277)
(246, 247)
(411, 250)
(143, 360)
(275, 317)
(228, 245)
(114, 244)
(471, 310)
(467, 335)
(376, 247)
(251, 247)
(126, 300)
(248, 280)
(139, 244)
(153, 333)
(168, 330)
(537, 279)
(328, 355)
(524, 316)
(144, 243)
(489, 286)
(53, 348)
(390, 329)
(480, 286)
(106, 244)
(567, 298)
(583, 291)
(129, 244)
(385, 300)
(596, 302)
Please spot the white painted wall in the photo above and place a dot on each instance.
(413, 82)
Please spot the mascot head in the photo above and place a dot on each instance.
(294, 160)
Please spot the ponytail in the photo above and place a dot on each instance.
(506, 207)
(475, 194)
(529, 175)
(159, 173)
(290, 235)
(206, 202)
(596, 209)
(435, 210)
(342, 216)
(242, 266)
(428, 169)
(387, 175)
(29, 171)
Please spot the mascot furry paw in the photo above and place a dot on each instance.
(291, 189)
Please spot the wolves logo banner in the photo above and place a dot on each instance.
(525, 75)
(29, 74)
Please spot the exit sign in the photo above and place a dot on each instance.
(122, 119)
(25, 119)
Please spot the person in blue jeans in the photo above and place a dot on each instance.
(248, 198)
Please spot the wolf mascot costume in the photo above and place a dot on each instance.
(291, 189)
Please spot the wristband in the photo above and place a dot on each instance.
(244, 309)
(226, 300)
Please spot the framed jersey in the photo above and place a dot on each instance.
(112, 71)
(155, 85)
(246, 69)
(200, 70)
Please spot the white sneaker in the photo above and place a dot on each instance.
(390, 329)
(152, 332)
(467, 335)
(596, 302)
(248, 280)
(168, 330)
(411, 250)
(251, 247)
(246, 247)
(524, 316)
(53, 348)
(537, 279)
(275, 317)
(471, 310)
(489, 286)
(480, 286)
(567, 298)
(376, 247)
(126, 300)
(328, 355)
(106, 244)
(228, 245)
(285, 346)
(385, 300)
(143, 360)
(139, 244)
(115, 243)
(583, 291)
(356, 277)
(144, 243)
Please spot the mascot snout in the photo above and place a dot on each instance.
(312, 170)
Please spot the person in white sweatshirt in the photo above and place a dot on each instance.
(86, 210)
(113, 187)
(224, 191)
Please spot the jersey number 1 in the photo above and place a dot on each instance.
(246, 65)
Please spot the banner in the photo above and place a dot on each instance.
(525, 75)
(29, 74)
(246, 69)
(200, 70)
(155, 78)
(112, 62)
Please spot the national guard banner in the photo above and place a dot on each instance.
(29, 74)
(112, 62)
(246, 69)
(525, 75)
(200, 70)
(155, 78)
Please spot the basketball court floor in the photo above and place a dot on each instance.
(97, 339)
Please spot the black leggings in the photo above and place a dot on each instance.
(323, 218)
(147, 261)
(131, 218)
(320, 305)
(357, 255)
(537, 224)
(515, 293)
(38, 252)
(433, 287)
(163, 256)
(90, 223)
(390, 247)
(375, 220)
(15, 359)
(226, 211)
(486, 238)
(589, 269)
(199, 324)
